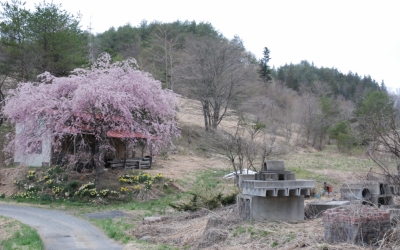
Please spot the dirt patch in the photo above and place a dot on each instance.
(7, 177)
(180, 166)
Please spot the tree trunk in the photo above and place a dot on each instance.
(215, 118)
(99, 160)
(206, 114)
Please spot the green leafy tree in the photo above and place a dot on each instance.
(383, 87)
(328, 117)
(291, 80)
(343, 136)
(47, 39)
(375, 104)
(14, 39)
(58, 40)
(265, 70)
(281, 74)
(351, 86)
(373, 115)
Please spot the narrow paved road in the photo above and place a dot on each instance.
(59, 230)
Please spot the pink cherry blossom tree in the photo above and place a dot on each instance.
(108, 98)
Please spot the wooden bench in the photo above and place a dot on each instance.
(133, 163)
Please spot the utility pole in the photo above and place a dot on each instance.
(91, 56)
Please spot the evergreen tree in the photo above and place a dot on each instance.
(292, 80)
(14, 39)
(58, 39)
(373, 114)
(264, 69)
(47, 39)
(281, 74)
(383, 87)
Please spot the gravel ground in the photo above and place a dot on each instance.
(59, 230)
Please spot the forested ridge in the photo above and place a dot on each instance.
(196, 61)
(50, 39)
(155, 38)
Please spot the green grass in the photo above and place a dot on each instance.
(210, 179)
(330, 160)
(310, 175)
(157, 206)
(24, 238)
(116, 229)
(150, 207)
(239, 230)
(251, 231)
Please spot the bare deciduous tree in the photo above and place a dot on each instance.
(378, 127)
(288, 124)
(163, 52)
(310, 111)
(242, 152)
(215, 72)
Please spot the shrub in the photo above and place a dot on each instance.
(73, 185)
(201, 201)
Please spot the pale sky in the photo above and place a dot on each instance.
(361, 36)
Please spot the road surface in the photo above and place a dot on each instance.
(59, 230)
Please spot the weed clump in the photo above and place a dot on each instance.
(210, 201)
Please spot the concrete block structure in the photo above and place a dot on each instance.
(369, 192)
(356, 224)
(272, 194)
(315, 209)
(271, 208)
(394, 211)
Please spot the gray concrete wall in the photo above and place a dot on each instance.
(275, 165)
(272, 208)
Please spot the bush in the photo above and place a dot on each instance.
(210, 202)
(71, 186)
(346, 142)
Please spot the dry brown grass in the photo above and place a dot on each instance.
(7, 228)
(7, 177)
(222, 229)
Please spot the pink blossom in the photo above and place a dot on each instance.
(107, 97)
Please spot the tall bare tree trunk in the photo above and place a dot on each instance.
(206, 114)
